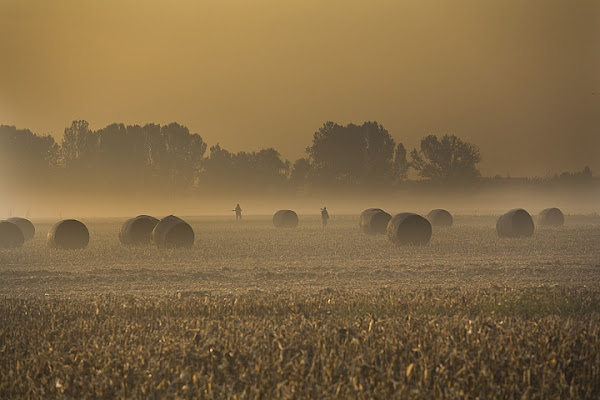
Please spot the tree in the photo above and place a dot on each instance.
(268, 167)
(401, 164)
(584, 174)
(448, 158)
(379, 152)
(352, 154)
(78, 145)
(246, 170)
(182, 154)
(25, 158)
(300, 171)
(122, 157)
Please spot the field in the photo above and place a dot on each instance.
(255, 312)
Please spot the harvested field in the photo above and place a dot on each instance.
(254, 312)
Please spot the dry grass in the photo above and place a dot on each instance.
(255, 312)
(441, 343)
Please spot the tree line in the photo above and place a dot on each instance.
(170, 157)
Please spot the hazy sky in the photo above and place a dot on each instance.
(520, 78)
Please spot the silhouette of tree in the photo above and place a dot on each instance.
(78, 145)
(337, 153)
(401, 164)
(584, 174)
(300, 172)
(258, 170)
(219, 167)
(181, 154)
(267, 167)
(25, 157)
(154, 148)
(448, 158)
(352, 154)
(120, 155)
(379, 152)
(138, 149)
(121, 159)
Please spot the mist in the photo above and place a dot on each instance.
(482, 201)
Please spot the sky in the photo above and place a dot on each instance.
(521, 79)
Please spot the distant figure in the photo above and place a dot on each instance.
(324, 216)
(238, 212)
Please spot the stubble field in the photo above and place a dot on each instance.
(255, 312)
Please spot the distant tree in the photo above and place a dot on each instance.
(300, 171)
(120, 155)
(584, 174)
(448, 158)
(267, 166)
(337, 153)
(245, 170)
(379, 152)
(401, 164)
(121, 160)
(182, 154)
(79, 145)
(352, 154)
(138, 148)
(24, 156)
(219, 166)
(154, 147)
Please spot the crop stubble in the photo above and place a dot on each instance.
(255, 312)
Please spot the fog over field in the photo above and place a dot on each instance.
(467, 201)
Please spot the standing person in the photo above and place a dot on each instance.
(238, 212)
(324, 216)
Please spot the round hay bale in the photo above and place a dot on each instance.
(439, 217)
(514, 224)
(409, 228)
(136, 231)
(285, 219)
(551, 217)
(374, 221)
(172, 231)
(25, 225)
(68, 234)
(11, 235)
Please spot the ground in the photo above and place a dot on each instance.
(252, 311)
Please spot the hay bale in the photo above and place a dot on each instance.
(285, 219)
(68, 234)
(25, 225)
(551, 217)
(136, 231)
(172, 231)
(514, 224)
(409, 228)
(11, 235)
(374, 221)
(440, 217)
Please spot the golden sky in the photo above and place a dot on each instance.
(519, 78)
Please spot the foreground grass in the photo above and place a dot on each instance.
(436, 342)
